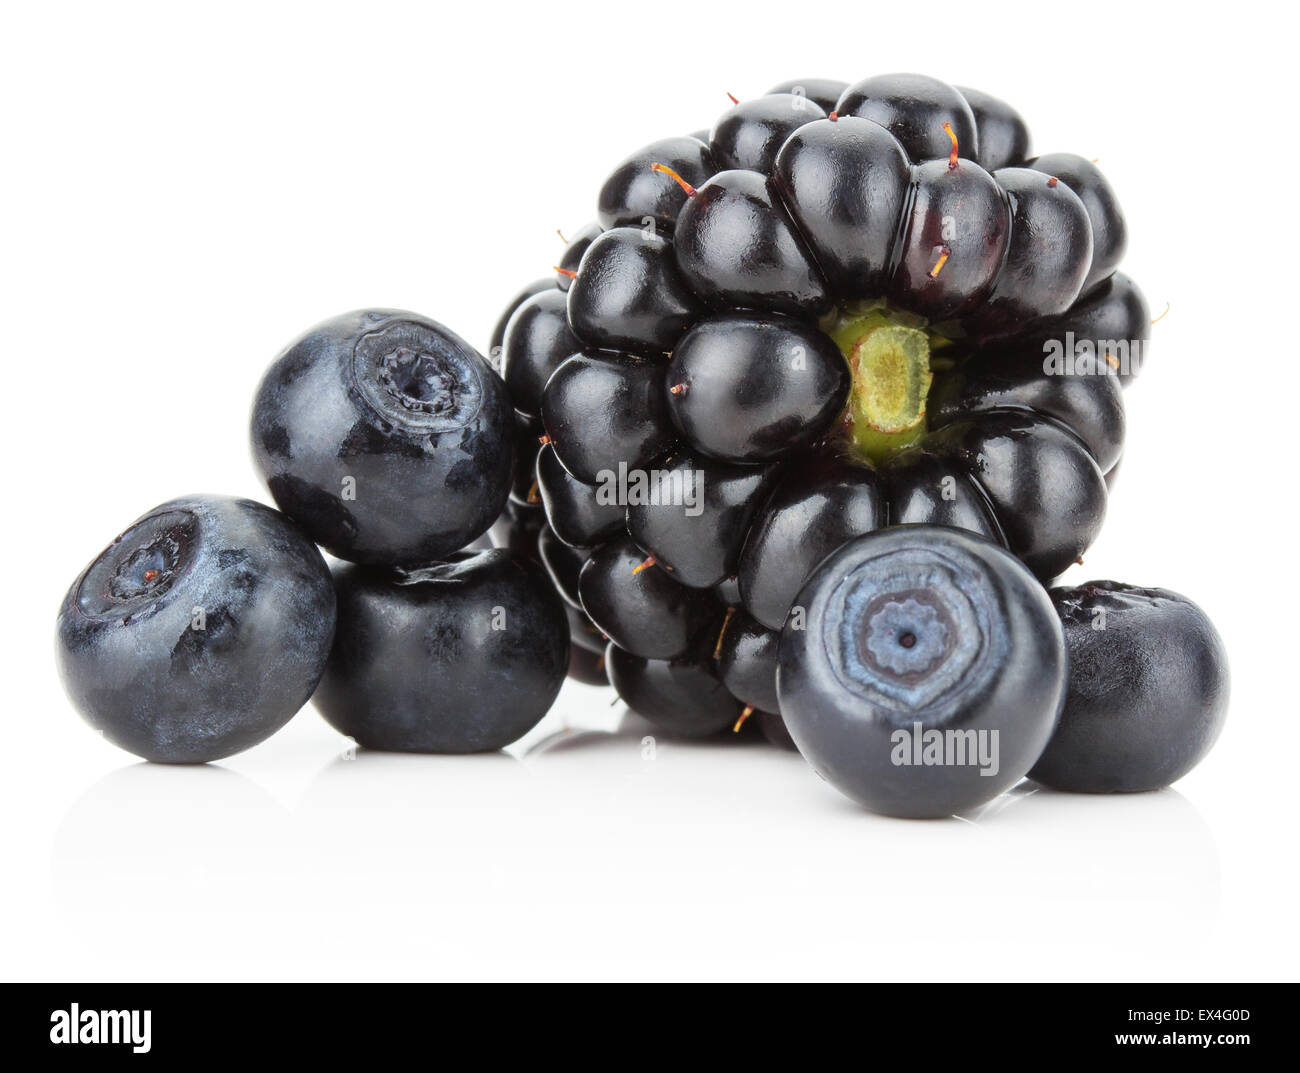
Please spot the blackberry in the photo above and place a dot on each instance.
(851, 306)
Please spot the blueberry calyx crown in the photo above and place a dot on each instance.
(408, 375)
(909, 628)
(140, 566)
(907, 633)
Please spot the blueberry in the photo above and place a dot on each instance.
(199, 631)
(1148, 690)
(385, 436)
(460, 656)
(922, 670)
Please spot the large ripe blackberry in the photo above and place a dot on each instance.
(836, 314)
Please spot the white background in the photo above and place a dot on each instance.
(184, 191)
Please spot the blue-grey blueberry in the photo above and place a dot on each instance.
(461, 656)
(199, 631)
(387, 437)
(921, 670)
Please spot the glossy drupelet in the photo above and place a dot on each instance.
(774, 731)
(496, 341)
(1109, 231)
(1048, 255)
(845, 183)
(385, 436)
(746, 656)
(199, 631)
(461, 656)
(574, 249)
(639, 606)
(698, 541)
(815, 507)
(1148, 692)
(1111, 324)
(747, 388)
(750, 134)
(603, 410)
(1048, 495)
(536, 341)
(629, 295)
(736, 247)
(1091, 407)
(575, 510)
(587, 667)
(562, 562)
(681, 697)
(517, 529)
(633, 196)
(922, 671)
(1003, 135)
(915, 109)
(944, 191)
